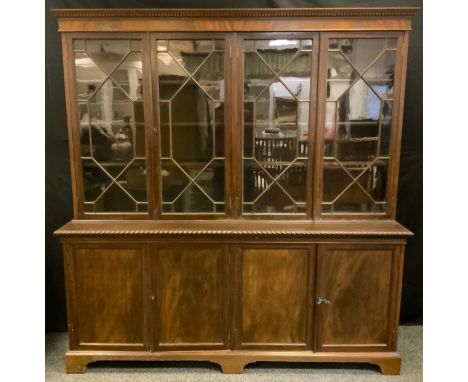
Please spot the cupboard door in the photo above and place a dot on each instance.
(277, 93)
(358, 122)
(273, 297)
(108, 94)
(193, 84)
(356, 294)
(193, 296)
(109, 301)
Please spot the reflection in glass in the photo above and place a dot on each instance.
(358, 123)
(191, 109)
(107, 54)
(109, 88)
(129, 76)
(276, 121)
(190, 53)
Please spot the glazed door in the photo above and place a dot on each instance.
(277, 82)
(192, 91)
(192, 283)
(110, 107)
(273, 295)
(108, 296)
(359, 127)
(356, 297)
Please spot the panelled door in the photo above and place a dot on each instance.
(108, 296)
(192, 291)
(356, 297)
(273, 296)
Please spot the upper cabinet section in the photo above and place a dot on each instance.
(214, 114)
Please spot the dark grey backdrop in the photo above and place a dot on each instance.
(58, 200)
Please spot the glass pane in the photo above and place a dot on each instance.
(171, 76)
(391, 43)
(191, 81)
(297, 76)
(112, 129)
(385, 128)
(248, 129)
(277, 53)
(142, 207)
(192, 120)
(339, 68)
(356, 151)
(218, 109)
(306, 45)
(78, 45)
(211, 180)
(164, 129)
(335, 180)
(255, 180)
(361, 52)
(374, 180)
(193, 200)
(107, 54)
(326, 208)
(162, 45)
(359, 103)
(133, 179)
(129, 76)
(116, 199)
(174, 180)
(190, 53)
(83, 117)
(358, 124)
(354, 200)
(329, 135)
(276, 122)
(257, 76)
(211, 76)
(139, 135)
(95, 180)
(220, 207)
(274, 200)
(135, 45)
(219, 45)
(294, 180)
(88, 76)
(384, 68)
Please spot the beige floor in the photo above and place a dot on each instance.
(410, 347)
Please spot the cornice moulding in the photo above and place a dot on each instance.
(237, 13)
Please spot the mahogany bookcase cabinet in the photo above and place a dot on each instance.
(234, 184)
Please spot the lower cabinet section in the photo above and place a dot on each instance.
(233, 303)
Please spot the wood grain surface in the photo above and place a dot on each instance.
(353, 292)
(109, 296)
(273, 295)
(193, 285)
